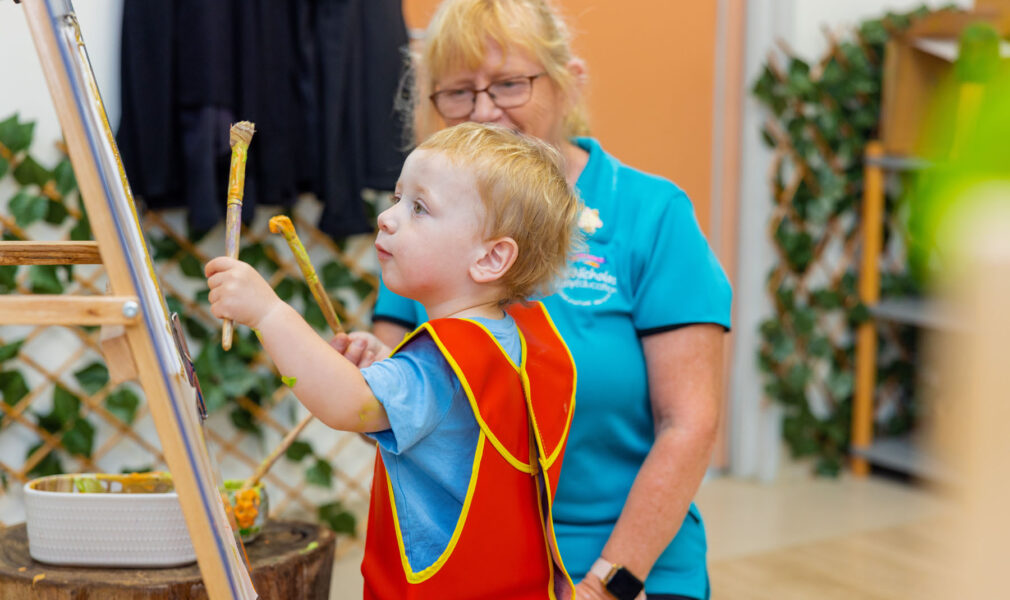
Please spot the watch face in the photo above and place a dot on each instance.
(623, 585)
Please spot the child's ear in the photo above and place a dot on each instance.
(496, 260)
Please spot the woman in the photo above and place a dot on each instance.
(643, 310)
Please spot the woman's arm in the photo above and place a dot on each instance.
(685, 380)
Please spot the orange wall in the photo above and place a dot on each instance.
(652, 77)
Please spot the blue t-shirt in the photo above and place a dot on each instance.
(429, 447)
(647, 269)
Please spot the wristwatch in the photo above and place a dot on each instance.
(617, 580)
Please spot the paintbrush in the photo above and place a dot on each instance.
(240, 135)
(282, 225)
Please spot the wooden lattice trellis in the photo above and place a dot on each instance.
(57, 398)
(821, 119)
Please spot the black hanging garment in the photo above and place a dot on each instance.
(318, 78)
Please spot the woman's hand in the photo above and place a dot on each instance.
(360, 347)
(238, 292)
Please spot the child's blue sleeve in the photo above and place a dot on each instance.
(416, 387)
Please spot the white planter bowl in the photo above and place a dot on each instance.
(108, 529)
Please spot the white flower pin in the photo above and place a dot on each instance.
(589, 220)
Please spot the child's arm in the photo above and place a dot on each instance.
(330, 386)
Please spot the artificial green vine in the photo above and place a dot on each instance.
(50, 195)
(821, 119)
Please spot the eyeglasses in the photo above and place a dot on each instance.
(505, 93)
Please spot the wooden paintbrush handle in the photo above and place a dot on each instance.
(240, 135)
(280, 449)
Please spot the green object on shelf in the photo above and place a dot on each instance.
(978, 53)
(968, 144)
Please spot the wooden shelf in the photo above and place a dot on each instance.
(916, 311)
(909, 454)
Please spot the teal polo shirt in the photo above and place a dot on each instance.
(647, 269)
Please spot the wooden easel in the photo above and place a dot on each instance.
(135, 302)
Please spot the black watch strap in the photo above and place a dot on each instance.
(618, 581)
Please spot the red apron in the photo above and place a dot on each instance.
(503, 546)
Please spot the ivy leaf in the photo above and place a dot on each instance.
(164, 247)
(16, 136)
(362, 288)
(337, 518)
(82, 231)
(80, 438)
(56, 213)
(195, 329)
(829, 466)
(244, 421)
(123, 403)
(50, 465)
(298, 450)
(256, 255)
(29, 172)
(289, 381)
(43, 279)
(840, 385)
(314, 315)
(213, 397)
(859, 314)
(4, 165)
(92, 377)
(28, 208)
(797, 377)
(286, 289)
(11, 350)
(804, 320)
(63, 174)
(820, 347)
(191, 267)
(336, 275)
(141, 469)
(320, 473)
(8, 278)
(13, 386)
(235, 377)
(66, 406)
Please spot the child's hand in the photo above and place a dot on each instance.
(238, 292)
(360, 347)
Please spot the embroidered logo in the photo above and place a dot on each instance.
(589, 281)
(589, 220)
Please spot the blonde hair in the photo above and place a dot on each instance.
(521, 183)
(457, 38)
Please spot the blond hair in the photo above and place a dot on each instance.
(521, 183)
(457, 38)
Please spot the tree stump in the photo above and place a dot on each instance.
(285, 566)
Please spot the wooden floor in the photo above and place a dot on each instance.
(804, 538)
(901, 562)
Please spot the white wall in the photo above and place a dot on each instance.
(22, 86)
(755, 438)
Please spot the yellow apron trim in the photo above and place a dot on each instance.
(571, 406)
(551, 549)
(429, 571)
(512, 460)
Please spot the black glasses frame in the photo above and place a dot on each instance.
(487, 89)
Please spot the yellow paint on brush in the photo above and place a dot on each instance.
(282, 225)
